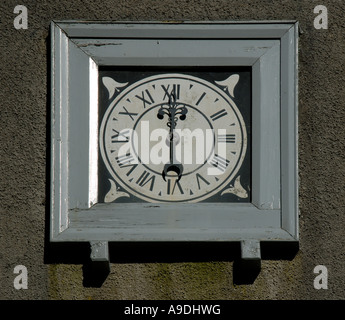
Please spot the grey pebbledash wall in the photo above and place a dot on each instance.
(139, 271)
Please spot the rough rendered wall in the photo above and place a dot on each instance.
(138, 274)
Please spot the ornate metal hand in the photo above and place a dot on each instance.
(174, 111)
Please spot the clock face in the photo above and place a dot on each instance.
(172, 137)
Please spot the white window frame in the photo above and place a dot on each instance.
(79, 48)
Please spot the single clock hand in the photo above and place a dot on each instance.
(174, 112)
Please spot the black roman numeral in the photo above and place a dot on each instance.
(227, 138)
(172, 190)
(219, 114)
(175, 91)
(146, 97)
(145, 178)
(220, 162)
(201, 97)
(130, 114)
(199, 178)
(124, 161)
(116, 137)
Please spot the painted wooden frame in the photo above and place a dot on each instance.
(79, 48)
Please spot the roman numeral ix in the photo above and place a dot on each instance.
(120, 136)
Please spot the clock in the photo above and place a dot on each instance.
(174, 132)
(174, 136)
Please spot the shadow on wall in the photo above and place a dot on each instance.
(95, 273)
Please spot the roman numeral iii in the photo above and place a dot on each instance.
(227, 138)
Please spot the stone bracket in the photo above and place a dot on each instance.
(250, 250)
(100, 263)
(99, 251)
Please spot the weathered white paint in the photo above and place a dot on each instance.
(185, 222)
(230, 83)
(114, 193)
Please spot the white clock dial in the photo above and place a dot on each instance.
(173, 138)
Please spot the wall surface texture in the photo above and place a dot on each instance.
(169, 272)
